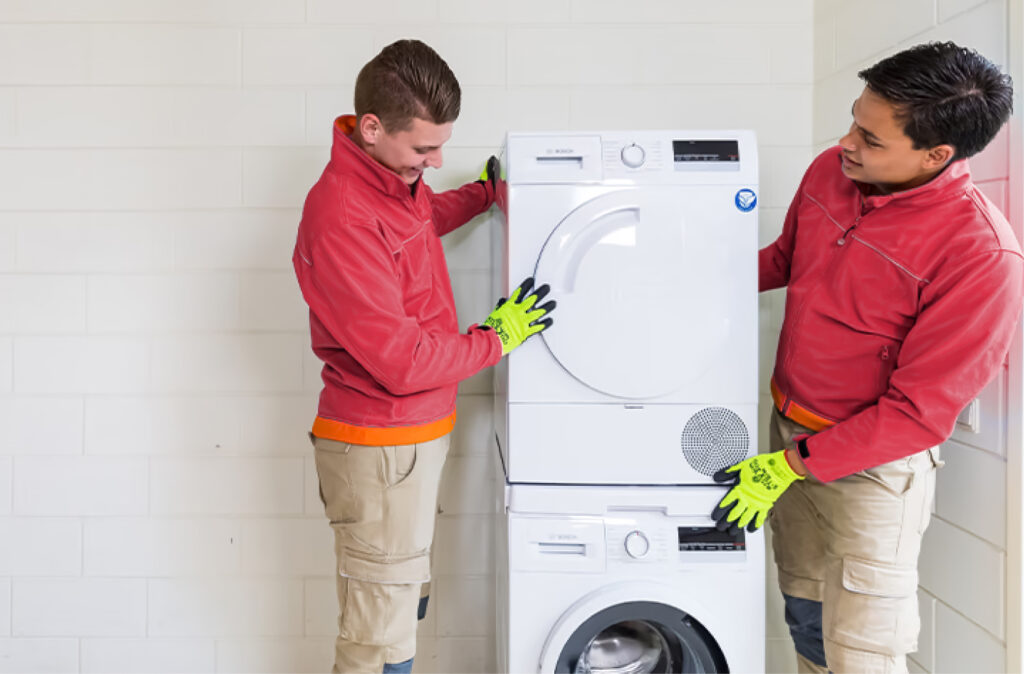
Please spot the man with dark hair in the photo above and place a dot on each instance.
(904, 287)
(382, 316)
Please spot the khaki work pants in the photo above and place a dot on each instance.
(381, 503)
(853, 545)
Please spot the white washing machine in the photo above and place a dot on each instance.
(648, 240)
(626, 579)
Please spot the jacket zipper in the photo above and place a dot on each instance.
(841, 241)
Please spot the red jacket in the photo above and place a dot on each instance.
(899, 310)
(382, 316)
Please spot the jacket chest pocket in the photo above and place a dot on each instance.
(416, 271)
(887, 362)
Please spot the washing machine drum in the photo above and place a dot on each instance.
(640, 638)
(642, 279)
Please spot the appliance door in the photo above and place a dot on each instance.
(631, 635)
(649, 282)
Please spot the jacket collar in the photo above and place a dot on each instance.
(952, 182)
(349, 158)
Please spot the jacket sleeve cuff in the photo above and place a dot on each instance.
(489, 194)
(801, 446)
(496, 354)
(804, 450)
(818, 461)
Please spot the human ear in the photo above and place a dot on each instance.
(939, 156)
(370, 128)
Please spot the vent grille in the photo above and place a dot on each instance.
(714, 438)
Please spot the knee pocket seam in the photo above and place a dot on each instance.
(372, 614)
(873, 608)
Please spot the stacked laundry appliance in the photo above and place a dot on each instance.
(610, 425)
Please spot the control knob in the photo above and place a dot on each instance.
(633, 156)
(637, 544)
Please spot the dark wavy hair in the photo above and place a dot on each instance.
(407, 79)
(944, 94)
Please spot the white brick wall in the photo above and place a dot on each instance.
(158, 497)
(6, 465)
(150, 656)
(962, 617)
(225, 607)
(78, 607)
(5, 607)
(80, 486)
(38, 656)
(139, 547)
(41, 546)
(22, 418)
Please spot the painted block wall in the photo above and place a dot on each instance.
(158, 501)
(962, 592)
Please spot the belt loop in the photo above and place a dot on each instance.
(934, 455)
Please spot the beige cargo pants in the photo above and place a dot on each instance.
(853, 545)
(381, 503)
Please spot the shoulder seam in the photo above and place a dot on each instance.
(970, 194)
(824, 210)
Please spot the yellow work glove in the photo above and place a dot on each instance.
(491, 172)
(516, 319)
(757, 483)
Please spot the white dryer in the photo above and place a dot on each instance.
(626, 579)
(648, 240)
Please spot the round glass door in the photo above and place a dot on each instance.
(630, 302)
(640, 638)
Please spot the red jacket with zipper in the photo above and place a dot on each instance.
(900, 308)
(382, 315)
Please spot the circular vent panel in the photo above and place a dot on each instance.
(714, 438)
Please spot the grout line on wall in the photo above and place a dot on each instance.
(241, 58)
(953, 609)
(984, 541)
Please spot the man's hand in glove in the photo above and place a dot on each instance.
(491, 171)
(516, 319)
(757, 483)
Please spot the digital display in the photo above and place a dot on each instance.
(705, 150)
(710, 538)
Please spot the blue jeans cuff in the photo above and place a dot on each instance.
(398, 668)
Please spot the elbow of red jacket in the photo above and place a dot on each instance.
(401, 383)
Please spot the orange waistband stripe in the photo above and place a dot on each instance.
(339, 431)
(801, 415)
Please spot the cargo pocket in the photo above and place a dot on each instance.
(873, 606)
(377, 614)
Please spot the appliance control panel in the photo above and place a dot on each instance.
(627, 155)
(658, 539)
(698, 157)
(633, 541)
(700, 539)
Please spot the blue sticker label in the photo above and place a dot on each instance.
(746, 200)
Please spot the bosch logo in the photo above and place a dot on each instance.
(746, 200)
